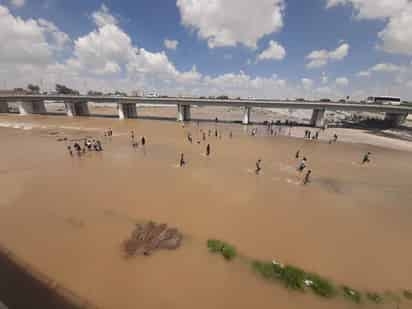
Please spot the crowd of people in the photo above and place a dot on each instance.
(88, 145)
(302, 168)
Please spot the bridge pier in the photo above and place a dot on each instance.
(127, 110)
(318, 119)
(396, 119)
(4, 108)
(246, 115)
(77, 109)
(35, 107)
(183, 112)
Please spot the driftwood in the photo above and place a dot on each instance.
(148, 237)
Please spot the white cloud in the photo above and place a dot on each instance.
(103, 17)
(323, 90)
(231, 22)
(342, 81)
(320, 58)
(383, 68)
(171, 44)
(396, 37)
(307, 83)
(386, 67)
(324, 78)
(364, 73)
(274, 51)
(29, 41)
(18, 3)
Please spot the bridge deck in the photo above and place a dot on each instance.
(331, 106)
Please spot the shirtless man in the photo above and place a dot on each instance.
(258, 167)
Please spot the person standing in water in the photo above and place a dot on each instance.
(306, 180)
(366, 158)
(208, 150)
(297, 154)
(132, 135)
(258, 167)
(204, 136)
(69, 148)
(182, 160)
(335, 138)
(302, 165)
(143, 141)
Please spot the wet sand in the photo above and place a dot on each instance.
(68, 216)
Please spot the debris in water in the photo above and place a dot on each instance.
(148, 237)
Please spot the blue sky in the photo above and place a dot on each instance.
(321, 48)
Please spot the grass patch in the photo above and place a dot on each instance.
(407, 294)
(228, 252)
(351, 294)
(293, 277)
(374, 297)
(321, 286)
(218, 246)
(215, 245)
(265, 269)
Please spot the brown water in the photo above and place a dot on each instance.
(68, 216)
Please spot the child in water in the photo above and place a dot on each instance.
(208, 150)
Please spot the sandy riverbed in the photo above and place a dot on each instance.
(68, 216)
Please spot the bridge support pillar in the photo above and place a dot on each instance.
(246, 115)
(318, 119)
(396, 119)
(77, 109)
(4, 108)
(127, 110)
(183, 112)
(36, 107)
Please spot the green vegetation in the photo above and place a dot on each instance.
(297, 279)
(228, 252)
(268, 270)
(352, 294)
(293, 277)
(407, 294)
(374, 297)
(217, 246)
(321, 286)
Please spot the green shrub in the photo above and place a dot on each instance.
(293, 277)
(351, 294)
(266, 269)
(215, 245)
(407, 294)
(228, 252)
(374, 297)
(321, 286)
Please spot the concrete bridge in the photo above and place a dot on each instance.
(77, 105)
